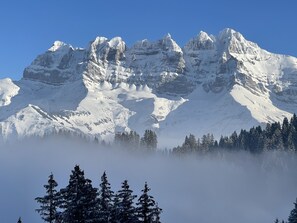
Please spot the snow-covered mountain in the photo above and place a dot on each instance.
(214, 84)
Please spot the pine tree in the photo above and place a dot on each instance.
(234, 140)
(134, 140)
(185, 148)
(293, 215)
(20, 220)
(293, 121)
(285, 132)
(292, 139)
(116, 210)
(207, 142)
(105, 200)
(256, 140)
(127, 140)
(79, 199)
(276, 140)
(149, 140)
(49, 203)
(190, 143)
(242, 139)
(125, 208)
(290, 142)
(204, 143)
(148, 211)
(157, 213)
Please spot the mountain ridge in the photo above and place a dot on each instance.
(214, 84)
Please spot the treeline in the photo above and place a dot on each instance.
(82, 203)
(275, 136)
(132, 140)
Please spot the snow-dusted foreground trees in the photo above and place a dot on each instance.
(80, 202)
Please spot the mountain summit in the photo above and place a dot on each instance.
(214, 84)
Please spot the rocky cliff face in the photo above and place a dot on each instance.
(216, 62)
(222, 80)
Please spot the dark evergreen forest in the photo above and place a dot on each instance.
(80, 202)
(275, 136)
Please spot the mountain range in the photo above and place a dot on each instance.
(214, 84)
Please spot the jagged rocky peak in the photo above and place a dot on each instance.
(56, 65)
(103, 50)
(228, 34)
(173, 54)
(201, 42)
(141, 45)
(59, 45)
(226, 66)
(150, 48)
(95, 47)
(54, 55)
(169, 44)
(117, 43)
(96, 43)
(154, 58)
(144, 48)
(234, 42)
(158, 61)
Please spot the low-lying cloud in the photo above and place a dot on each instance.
(230, 187)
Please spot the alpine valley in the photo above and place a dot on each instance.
(214, 84)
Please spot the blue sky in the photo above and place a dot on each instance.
(29, 28)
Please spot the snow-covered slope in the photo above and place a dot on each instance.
(214, 84)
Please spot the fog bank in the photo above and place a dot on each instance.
(235, 187)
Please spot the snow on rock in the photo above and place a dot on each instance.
(58, 45)
(202, 42)
(169, 44)
(7, 91)
(214, 84)
(234, 42)
(102, 50)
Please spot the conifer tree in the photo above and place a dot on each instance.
(242, 139)
(134, 140)
(149, 139)
(79, 199)
(148, 211)
(116, 210)
(20, 220)
(293, 121)
(276, 140)
(157, 213)
(290, 142)
(277, 221)
(49, 203)
(292, 138)
(127, 140)
(125, 206)
(207, 142)
(105, 200)
(293, 215)
(191, 142)
(285, 132)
